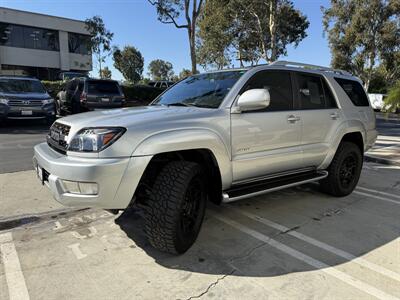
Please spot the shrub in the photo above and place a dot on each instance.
(143, 94)
(392, 101)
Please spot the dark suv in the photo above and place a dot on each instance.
(84, 94)
(25, 98)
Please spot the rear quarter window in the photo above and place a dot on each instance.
(354, 90)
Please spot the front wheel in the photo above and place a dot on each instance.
(176, 207)
(344, 170)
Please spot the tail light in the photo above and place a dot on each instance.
(83, 98)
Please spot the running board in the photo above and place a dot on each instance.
(243, 191)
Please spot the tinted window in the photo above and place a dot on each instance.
(78, 43)
(28, 37)
(279, 85)
(354, 90)
(102, 87)
(310, 91)
(329, 99)
(18, 86)
(203, 90)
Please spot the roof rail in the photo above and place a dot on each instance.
(308, 66)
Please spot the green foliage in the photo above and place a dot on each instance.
(100, 42)
(248, 31)
(362, 33)
(184, 73)
(106, 73)
(141, 94)
(129, 61)
(53, 87)
(392, 101)
(160, 70)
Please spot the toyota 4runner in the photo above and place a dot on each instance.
(219, 136)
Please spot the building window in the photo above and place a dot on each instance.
(78, 43)
(28, 37)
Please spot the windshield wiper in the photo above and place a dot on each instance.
(180, 104)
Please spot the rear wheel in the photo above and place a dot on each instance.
(344, 170)
(175, 209)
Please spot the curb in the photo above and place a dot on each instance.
(379, 160)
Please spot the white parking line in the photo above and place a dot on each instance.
(377, 197)
(12, 268)
(312, 241)
(362, 286)
(378, 192)
(77, 251)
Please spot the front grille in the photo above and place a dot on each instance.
(57, 136)
(24, 103)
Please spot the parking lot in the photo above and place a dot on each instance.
(296, 243)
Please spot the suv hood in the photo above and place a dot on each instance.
(133, 117)
(22, 96)
(144, 122)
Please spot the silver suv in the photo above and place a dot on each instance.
(219, 136)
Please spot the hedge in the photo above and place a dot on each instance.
(134, 94)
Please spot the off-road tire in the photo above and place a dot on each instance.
(333, 184)
(164, 210)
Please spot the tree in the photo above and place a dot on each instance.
(160, 70)
(184, 73)
(363, 33)
(106, 73)
(129, 61)
(248, 30)
(169, 12)
(100, 41)
(392, 101)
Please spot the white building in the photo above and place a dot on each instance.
(42, 45)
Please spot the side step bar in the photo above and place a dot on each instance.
(262, 187)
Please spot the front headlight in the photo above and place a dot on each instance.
(4, 101)
(48, 101)
(95, 139)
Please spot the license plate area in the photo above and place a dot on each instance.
(42, 174)
(26, 113)
(105, 99)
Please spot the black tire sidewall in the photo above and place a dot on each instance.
(182, 243)
(345, 151)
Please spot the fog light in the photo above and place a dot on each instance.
(82, 188)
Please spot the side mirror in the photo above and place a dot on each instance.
(254, 99)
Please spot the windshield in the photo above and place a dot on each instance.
(102, 87)
(203, 90)
(18, 86)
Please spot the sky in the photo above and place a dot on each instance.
(134, 22)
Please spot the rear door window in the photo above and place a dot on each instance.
(354, 90)
(279, 86)
(314, 92)
(102, 87)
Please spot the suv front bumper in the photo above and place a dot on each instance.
(117, 178)
(27, 112)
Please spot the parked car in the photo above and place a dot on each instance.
(377, 101)
(84, 94)
(25, 98)
(220, 136)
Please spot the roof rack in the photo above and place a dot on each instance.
(308, 66)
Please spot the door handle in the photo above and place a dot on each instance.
(293, 119)
(334, 116)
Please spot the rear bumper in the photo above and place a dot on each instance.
(117, 178)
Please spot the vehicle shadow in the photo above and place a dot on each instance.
(24, 127)
(349, 224)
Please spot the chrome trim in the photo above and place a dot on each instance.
(275, 175)
(226, 199)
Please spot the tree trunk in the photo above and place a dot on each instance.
(192, 46)
(272, 28)
(369, 71)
